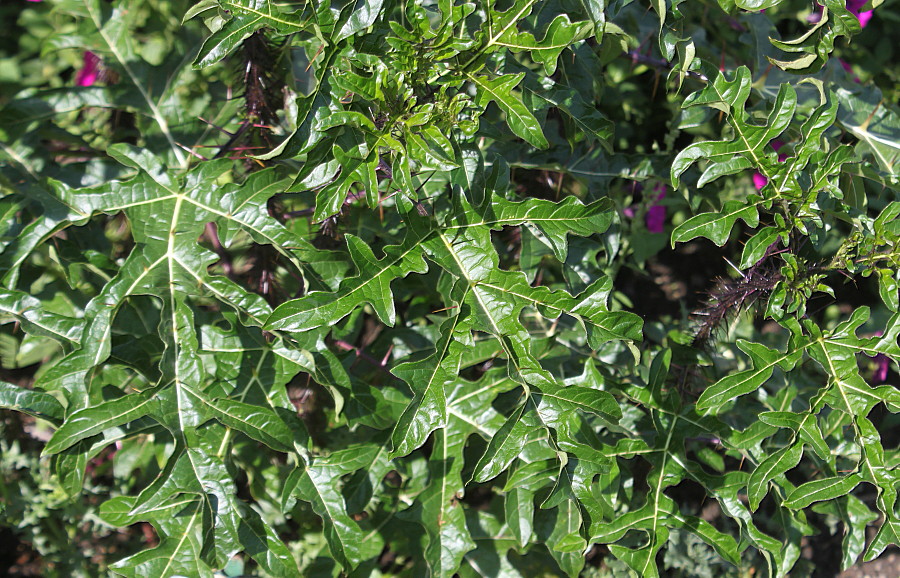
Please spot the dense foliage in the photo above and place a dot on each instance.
(487, 288)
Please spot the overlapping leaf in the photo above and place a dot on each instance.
(748, 146)
(168, 213)
(453, 383)
(243, 18)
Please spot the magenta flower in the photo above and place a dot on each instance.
(846, 66)
(655, 219)
(864, 17)
(853, 6)
(656, 214)
(90, 70)
(636, 187)
(759, 181)
(882, 366)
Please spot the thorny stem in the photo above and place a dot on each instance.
(733, 295)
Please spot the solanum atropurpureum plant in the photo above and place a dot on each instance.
(451, 288)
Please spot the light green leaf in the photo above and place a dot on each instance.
(748, 146)
(181, 539)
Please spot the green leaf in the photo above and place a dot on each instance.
(560, 34)
(259, 423)
(429, 380)
(874, 122)
(571, 103)
(443, 517)
(519, 118)
(817, 43)
(318, 485)
(265, 547)
(804, 424)
(755, 247)
(888, 534)
(502, 24)
(35, 403)
(91, 421)
(550, 222)
(889, 288)
(755, 5)
(824, 489)
(181, 540)
(565, 541)
(519, 509)
(732, 386)
(372, 285)
(748, 146)
(716, 226)
(363, 14)
(773, 466)
(566, 399)
(35, 319)
(846, 390)
(244, 18)
(506, 444)
(859, 516)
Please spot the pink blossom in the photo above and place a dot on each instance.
(759, 180)
(90, 70)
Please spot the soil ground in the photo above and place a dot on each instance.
(888, 566)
